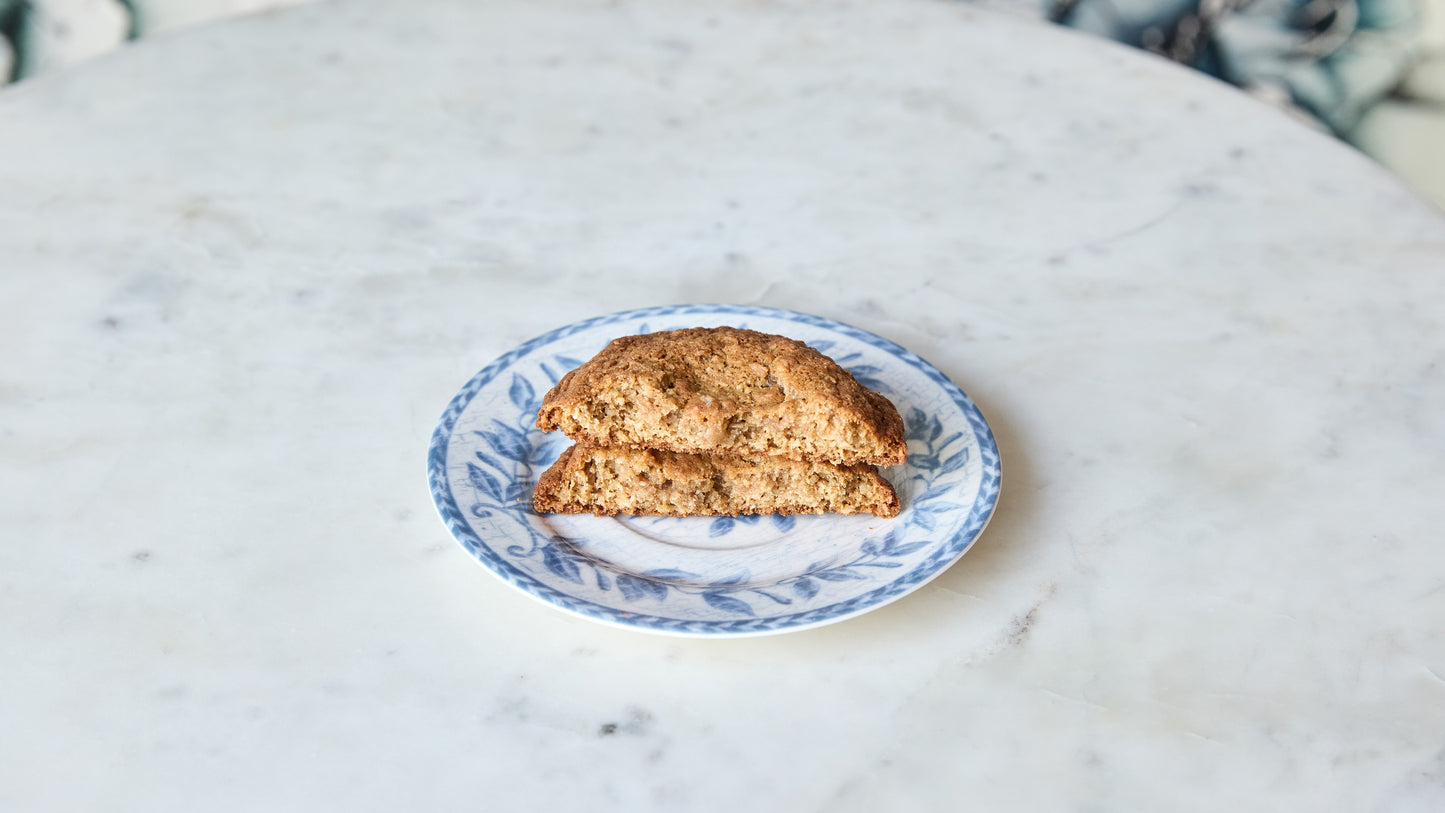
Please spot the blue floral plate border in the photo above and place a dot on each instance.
(701, 576)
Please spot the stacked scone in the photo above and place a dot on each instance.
(718, 421)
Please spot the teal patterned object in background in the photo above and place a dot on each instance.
(1371, 72)
(39, 36)
(1332, 58)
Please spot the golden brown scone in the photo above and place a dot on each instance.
(620, 480)
(724, 390)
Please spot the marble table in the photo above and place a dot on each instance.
(243, 268)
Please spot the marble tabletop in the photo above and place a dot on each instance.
(243, 268)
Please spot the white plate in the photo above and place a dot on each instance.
(705, 576)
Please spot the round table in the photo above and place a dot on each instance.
(244, 268)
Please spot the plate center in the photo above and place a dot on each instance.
(704, 533)
(752, 550)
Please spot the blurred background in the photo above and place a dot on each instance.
(1370, 72)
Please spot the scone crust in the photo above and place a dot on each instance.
(724, 390)
(544, 494)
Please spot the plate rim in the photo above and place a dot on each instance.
(980, 513)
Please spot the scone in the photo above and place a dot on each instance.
(725, 390)
(621, 480)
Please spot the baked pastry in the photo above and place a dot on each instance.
(607, 480)
(724, 390)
